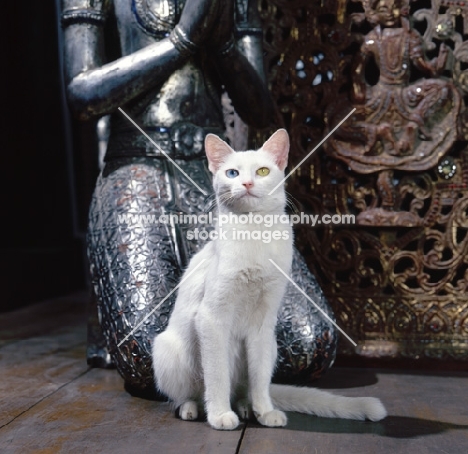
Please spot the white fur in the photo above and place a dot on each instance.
(222, 329)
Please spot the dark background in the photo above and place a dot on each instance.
(49, 165)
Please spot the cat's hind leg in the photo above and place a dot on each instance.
(176, 371)
(188, 411)
(244, 409)
(242, 405)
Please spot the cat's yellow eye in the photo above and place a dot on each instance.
(263, 171)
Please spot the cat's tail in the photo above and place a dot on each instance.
(320, 403)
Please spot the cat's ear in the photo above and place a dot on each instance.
(217, 151)
(278, 146)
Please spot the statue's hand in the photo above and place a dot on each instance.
(198, 18)
(358, 95)
(442, 58)
(436, 66)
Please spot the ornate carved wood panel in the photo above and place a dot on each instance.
(397, 279)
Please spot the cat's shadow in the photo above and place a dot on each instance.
(391, 426)
(339, 378)
(348, 377)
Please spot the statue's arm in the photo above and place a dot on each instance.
(94, 87)
(358, 92)
(432, 67)
(240, 66)
(249, 34)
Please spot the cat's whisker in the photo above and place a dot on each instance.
(216, 199)
(211, 202)
(222, 198)
(210, 197)
(209, 207)
(225, 198)
(292, 206)
(290, 199)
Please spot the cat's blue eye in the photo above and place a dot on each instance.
(232, 173)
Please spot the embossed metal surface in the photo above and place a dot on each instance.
(307, 341)
(157, 17)
(133, 265)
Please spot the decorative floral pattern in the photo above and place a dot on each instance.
(398, 291)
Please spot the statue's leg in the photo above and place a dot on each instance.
(436, 95)
(307, 339)
(134, 263)
(426, 98)
(386, 189)
(406, 142)
(385, 132)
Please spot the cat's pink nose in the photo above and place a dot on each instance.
(248, 184)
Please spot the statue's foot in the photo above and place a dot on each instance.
(98, 357)
(384, 132)
(97, 353)
(403, 146)
(424, 133)
(388, 218)
(391, 148)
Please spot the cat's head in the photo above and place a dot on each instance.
(243, 180)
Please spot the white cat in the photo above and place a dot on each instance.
(220, 341)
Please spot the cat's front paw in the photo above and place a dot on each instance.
(225, 421)
(273, 418)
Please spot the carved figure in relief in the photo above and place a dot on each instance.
(398, 124)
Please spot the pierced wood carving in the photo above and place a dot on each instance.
(398, 279)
